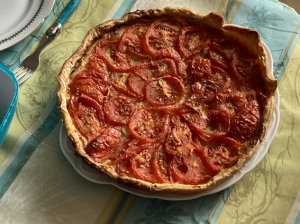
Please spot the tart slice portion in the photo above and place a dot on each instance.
(167, 100)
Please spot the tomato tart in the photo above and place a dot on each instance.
(167, 100)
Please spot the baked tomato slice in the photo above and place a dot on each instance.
(249, 87)
(88, 116)
(190, 169)
(118, 108)
(244, 115)
(206, 88)
(123, 166)
(131, 40)
(128, 148)
(120, 81)
(192, 37)
(200, 98)
(157, 68)
(178, 137)
(221, 154)
(198, 67)
(161, 35)
(115, 60)
(201, 51)
(167, 52)
(165, 67)
(197, 121)
(219, 79)
(174, 109)
(230, 46)
(164, 91)
(141, 163)
(148, 125)
(87, 87)
(181, 69)
(97, 80)
(209, 124)
(235, 101)
(218, 57)
(218, 124)
(122, 154)
(145, 71)
(104, 143)
(252, 89)
(160, 163)
(242, 64)
(136, 84)
(97, 64)
(245, 122)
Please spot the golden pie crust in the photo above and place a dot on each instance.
(111, 30)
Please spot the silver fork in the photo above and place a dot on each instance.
(31, 63)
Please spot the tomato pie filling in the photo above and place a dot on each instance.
(168, 102)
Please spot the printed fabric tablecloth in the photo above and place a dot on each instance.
(39, 185)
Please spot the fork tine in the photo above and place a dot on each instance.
(21, 72)
(25, 76)
(17, 69)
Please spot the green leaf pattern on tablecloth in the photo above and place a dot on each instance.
(260, 19)
(159, 211)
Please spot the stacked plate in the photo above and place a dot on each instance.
(20, 19)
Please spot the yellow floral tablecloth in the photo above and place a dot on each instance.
(39, 185)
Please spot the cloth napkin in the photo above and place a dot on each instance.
(38, 184)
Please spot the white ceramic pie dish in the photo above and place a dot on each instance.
(94, 175)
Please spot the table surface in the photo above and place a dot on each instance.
(38, 184)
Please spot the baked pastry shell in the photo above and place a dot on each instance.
(111, 30)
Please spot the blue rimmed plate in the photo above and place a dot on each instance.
(9, 89)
